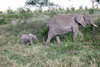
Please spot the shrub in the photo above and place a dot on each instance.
(3, 21)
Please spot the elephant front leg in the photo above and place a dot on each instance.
(74, 36)
(75, 32)
(58, 40)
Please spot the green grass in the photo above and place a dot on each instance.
(84, 53)
(70, 54)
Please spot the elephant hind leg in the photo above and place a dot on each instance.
(58, 40)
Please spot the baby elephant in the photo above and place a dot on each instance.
(27, 38)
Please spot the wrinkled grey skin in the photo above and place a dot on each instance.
(25, 38)
(61, 24)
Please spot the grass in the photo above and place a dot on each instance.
(68, 54)
(37, 55)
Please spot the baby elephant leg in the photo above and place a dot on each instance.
(31, 42)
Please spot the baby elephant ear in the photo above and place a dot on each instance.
(80, 19)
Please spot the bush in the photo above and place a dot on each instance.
(3, 21)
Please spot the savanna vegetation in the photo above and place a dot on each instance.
(83, 53)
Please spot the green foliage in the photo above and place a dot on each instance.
(91, 11)
(73, 9)
(98, 1)
(39, 3)
(6, 19)
(86, 8)
(2, 21)
(24, 13)
(80, 8)
(21, 11)
(9, 11)
(83, 53)
(51, 13)
(68, 53)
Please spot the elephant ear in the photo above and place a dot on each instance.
(80, 19)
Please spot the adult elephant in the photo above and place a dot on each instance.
(61, 24)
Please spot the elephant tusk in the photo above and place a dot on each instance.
(95, 25)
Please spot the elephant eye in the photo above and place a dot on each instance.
(87, 20)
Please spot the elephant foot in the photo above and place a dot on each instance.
(46, 44)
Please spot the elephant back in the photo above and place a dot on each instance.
(61, 20)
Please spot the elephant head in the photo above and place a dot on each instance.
(84, 20)
(32, 37)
